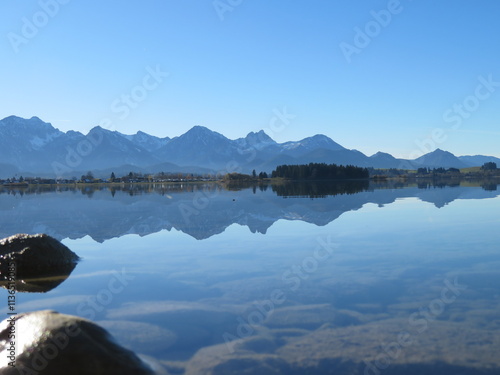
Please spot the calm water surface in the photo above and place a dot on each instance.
(316, 279)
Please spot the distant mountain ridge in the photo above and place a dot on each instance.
(146, 141)
(34, 147)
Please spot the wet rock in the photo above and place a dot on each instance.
(34, 263)
(35, 252)
(49, 343)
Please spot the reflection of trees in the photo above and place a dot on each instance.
(88, 191)
(437, 184)
(242, 185)
(489, 186)
(131, 189)
(320, 189)
(313, 189)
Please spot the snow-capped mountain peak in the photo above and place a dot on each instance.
(318, 141)
(259, 140)
(33, 146)
(146, 141)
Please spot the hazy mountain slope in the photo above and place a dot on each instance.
(146, 141)
(478, 160)
(439, 158)
(33, 147)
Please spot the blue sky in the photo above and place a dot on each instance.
(404, 77)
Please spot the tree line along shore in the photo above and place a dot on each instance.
(307, 172)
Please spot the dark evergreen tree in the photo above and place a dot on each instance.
(489, 166)
(320, 171)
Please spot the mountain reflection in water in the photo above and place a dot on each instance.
(202, 210)
(352, 278)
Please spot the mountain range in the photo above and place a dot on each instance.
(32, 147)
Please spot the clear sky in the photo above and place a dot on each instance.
(404, 77)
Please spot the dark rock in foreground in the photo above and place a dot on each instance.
(35, 263)
(49, 343)
(35, 252)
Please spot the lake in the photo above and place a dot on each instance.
(318, 278)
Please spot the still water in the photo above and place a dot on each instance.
(355, 278)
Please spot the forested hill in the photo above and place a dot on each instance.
(320, 171)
